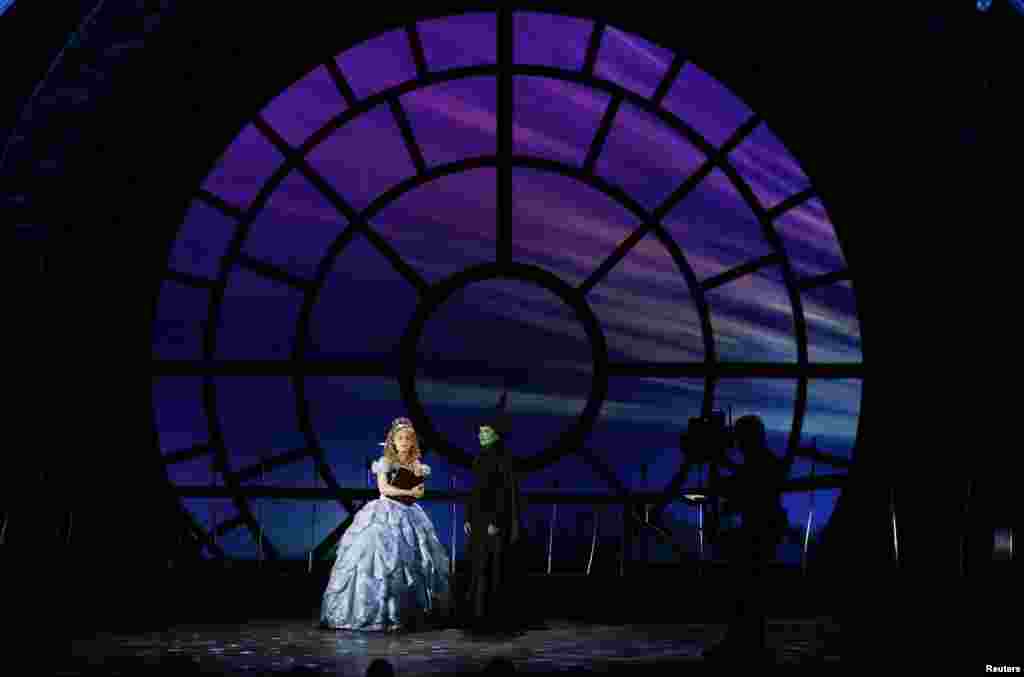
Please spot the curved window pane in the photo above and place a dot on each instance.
(772, 172)
(646, 309)
(464, 375)
(202, 240)
(458, 210)
(833, 331)
(550, 40)
(563, 225)
(537, 412)
(197, 472)
(499, 336)
(810, 240)
(702, 102)
(295, 228)
(364, 305)
(181, 314)
(300, 474)
(304, 107)
(257, 418)
(364, 158)
(830, 423)
(239, 543)
(752, 318)
(180, 414)
(291, 525)
(460, 41)
(243, 168)
(378, 64)
(351, 416)
(716, 227)
(209, 511)
(646, 416)
(631, 62)
(554, 119)
(646, 157)
(326, 517)
(770, 399)
(454, 120)
(257, 318)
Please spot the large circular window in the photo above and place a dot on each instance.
(657, 202)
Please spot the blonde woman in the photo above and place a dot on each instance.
(391, 568)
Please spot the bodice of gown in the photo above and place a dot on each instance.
(403, 478)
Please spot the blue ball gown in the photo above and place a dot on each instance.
(391, 567)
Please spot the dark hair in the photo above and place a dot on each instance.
(749, 431)
(380, 668)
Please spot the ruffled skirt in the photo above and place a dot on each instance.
(391, 567)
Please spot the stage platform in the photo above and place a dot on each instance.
(553, 646)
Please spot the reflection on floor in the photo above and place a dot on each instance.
(260, 647)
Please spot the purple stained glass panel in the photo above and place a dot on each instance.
(810, 240)
(460, 40)
(454, 120)
(646, 157)
(181, 314)
(550, 40)
(244, 167)
(706, 104)
(258, 318)
(459, 209)
(716, 228)
(203, 238)
(364, 158)
(833, 330)
(305, 106)
(632, 62)
(768, 167)
(295, 228)
(378, 64)
(541, 109)
(180, 415)
(752, 319)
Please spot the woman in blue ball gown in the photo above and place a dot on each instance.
(391, 570)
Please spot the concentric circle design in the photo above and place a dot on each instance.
(572, 438)
(296, 156)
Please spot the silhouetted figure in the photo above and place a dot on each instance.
(380, 668)
(493, 525)
(755, 491)
(500, 666)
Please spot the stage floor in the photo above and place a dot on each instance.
(266, 646)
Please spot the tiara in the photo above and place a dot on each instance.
(401, 422)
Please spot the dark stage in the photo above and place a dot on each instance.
(660, 621)
(557, 645)
(243, 237)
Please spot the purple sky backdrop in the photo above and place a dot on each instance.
(646, 309)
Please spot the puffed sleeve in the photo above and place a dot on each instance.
(382, 464)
